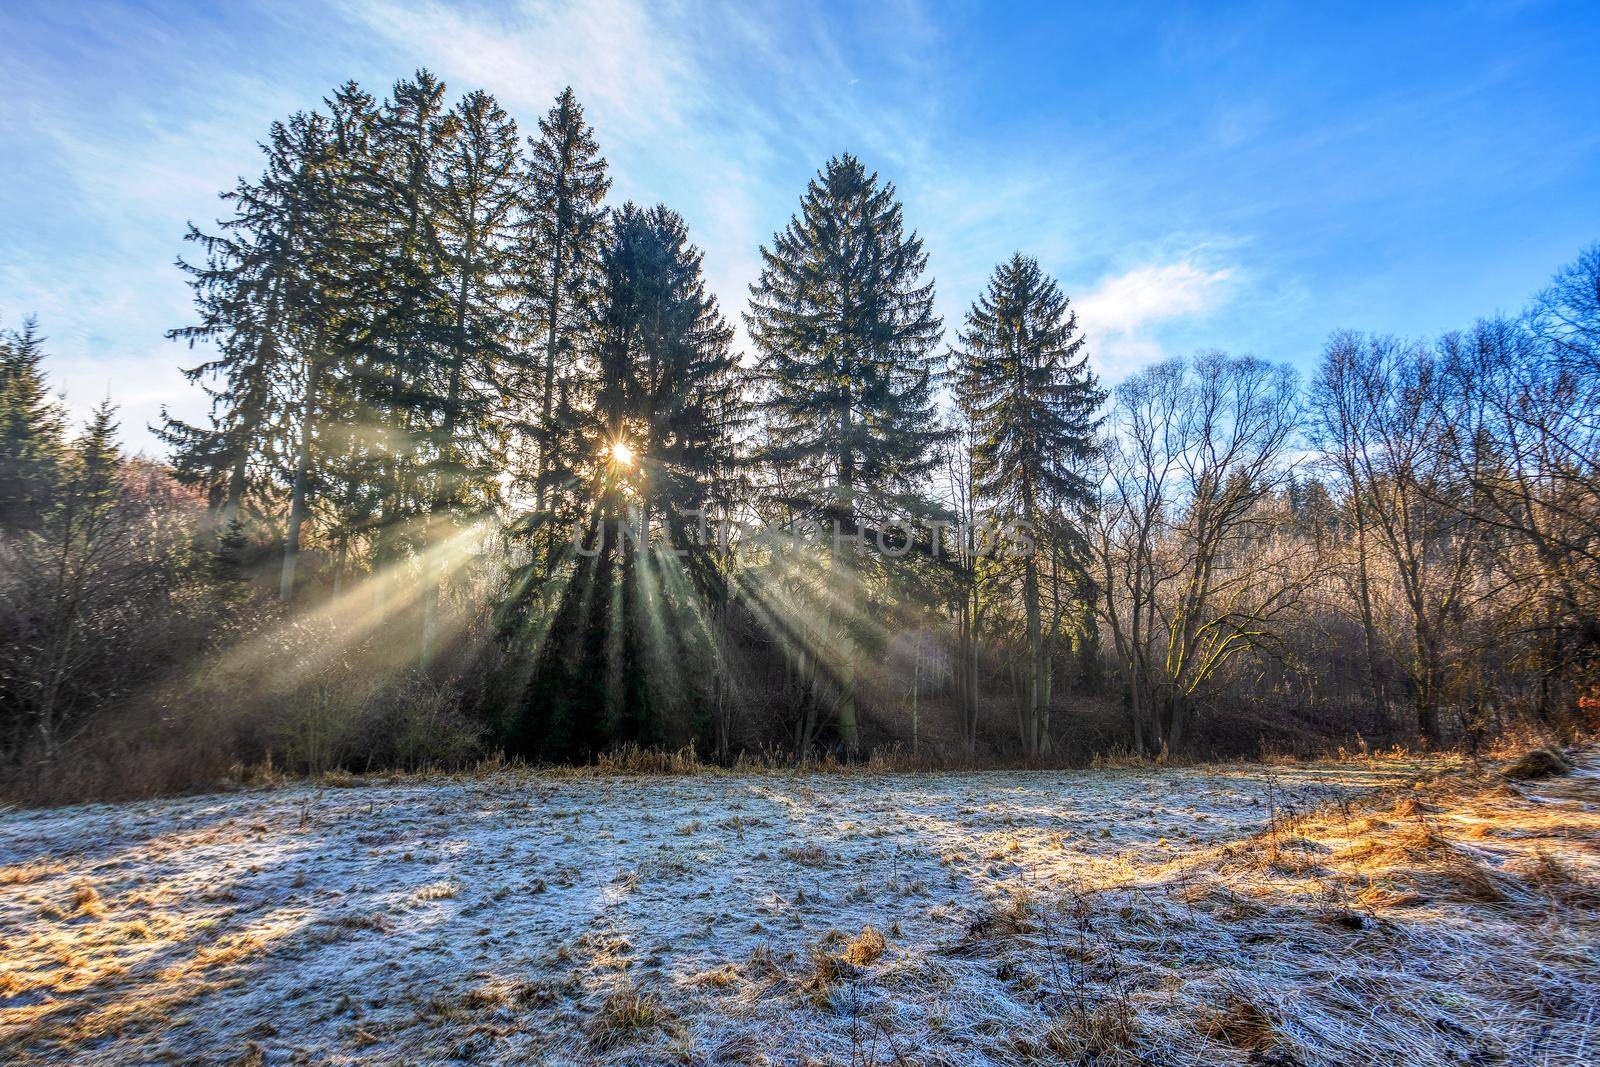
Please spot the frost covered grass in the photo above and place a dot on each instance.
(1378, 912)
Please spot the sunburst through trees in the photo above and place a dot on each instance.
(484, 472)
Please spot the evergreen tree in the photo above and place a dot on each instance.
(349, 463)
(251, 282)
(563, 237)
(480, 193)
(321, 331)
(1024, 386)
(403, 375)
(669, 381)
(31, 427)
(276, 296)
(668, 402)
(847, 337)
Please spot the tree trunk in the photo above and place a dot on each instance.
(1033, 718)
(1376, 688)
(541, 471)
(298, 494)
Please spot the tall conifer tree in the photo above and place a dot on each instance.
(669, 394)
(405, 372)
(479, 199)
(564, 235)
(252, 281)
(844, 325)
(1025, 388)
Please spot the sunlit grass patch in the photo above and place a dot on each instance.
(19, 874)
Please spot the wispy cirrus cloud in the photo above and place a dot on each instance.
(627, 61)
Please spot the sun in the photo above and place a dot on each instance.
(621, 454)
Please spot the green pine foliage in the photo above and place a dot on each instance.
(630, 651)
(1029, 400)
(31, 429)
(1022, 380)
(842, 320)
(562, 239)
(669, 381)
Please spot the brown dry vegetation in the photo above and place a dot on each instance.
(1453, 921)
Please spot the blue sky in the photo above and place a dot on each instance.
(1242, 176)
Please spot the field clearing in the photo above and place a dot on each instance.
(1302, 914)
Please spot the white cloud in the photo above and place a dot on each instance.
(1120, 314)
(629, 67)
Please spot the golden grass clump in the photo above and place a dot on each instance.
(86, 901)
(718, 977)
(29, 873)
(445, 890)
(1010, 919)
(762, 963)
(827, 970)
(805, 855)
(1414, 863)
(1558, 880)
(627, 1014)
(1103, 1035)
(865, 948)
(1238, 1022)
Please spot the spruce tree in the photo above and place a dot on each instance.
(251, 282)
(277, 298)
(403, 373)
(669, 381)
(479, 197)
(352, 459)
(844, 325)
(31, 427)
(563, 236)
(325, 320)
(1024, 386)
(633, 616)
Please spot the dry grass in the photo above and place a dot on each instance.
(806, 855)
(445, 890)
(1238, 1022)
(718, 977)
(865, 948)
(827, 970)
(20, 874)
(1102, 1036)
(626, 1015)
(86, 900)
(1455, 922)
(1011, 918)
